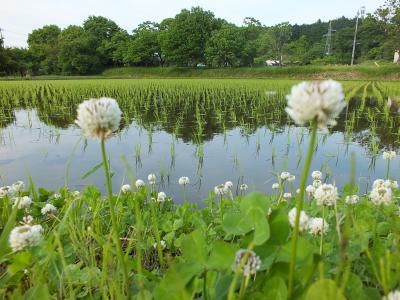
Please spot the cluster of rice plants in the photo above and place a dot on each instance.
(304, 241)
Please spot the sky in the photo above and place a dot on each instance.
(19, 17)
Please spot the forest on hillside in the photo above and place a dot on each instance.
(197, 37)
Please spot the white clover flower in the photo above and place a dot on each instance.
(394, 295)
(162, 243)
(151, 178)
(23, 202)
(57, 196)
(285, 175)
(275, 186)
(139, 183)
(315, 226)
(126, 188)
(243, 187)
(5, 191)
(161, 197)
(48, 209)
(310, 190)
(24, 236)
(316, 175)
(76, 194)
(27, 220)
(381, 195)
(251, 262)
(184, 180)
(220, 189)
(322, 101)
(228, 185)
(317, 183)
(303, 222)
(326, 194)
(353, 199)
(99, 117)
(18, 186)
(287, 195)
(389, 155)
(291, 178)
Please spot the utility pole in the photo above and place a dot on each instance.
(360, 14)
(328, 43)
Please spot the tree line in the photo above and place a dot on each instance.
(196, 37)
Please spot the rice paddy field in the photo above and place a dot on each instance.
(226, 232)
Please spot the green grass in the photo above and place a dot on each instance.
(365, 71)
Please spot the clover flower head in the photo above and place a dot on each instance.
(322, 101)
(246, 261)
(393, 295)
(24, 236)
(23, 202)
(98, 117)
(315, 226)
(326, 194)
(5, 191)
(161, 197)
(287, 195)
(18, 186)
(285, 175)
(316, 175)
(139, 183)
(126, 188)
(304, 219)
(243, 187)
(162, 243)
(184, 180)
(275, 186)
(48, 209)
(291, 178)
(228, 185)
(310, 190)
(151, 178)
(220, 190)
(381, 195)
(389, 155)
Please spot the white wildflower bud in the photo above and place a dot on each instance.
(5, 191)
(24, 236)
(243, 187)
(275, 186)
(326, 194)
(315, 226)
(291, 178)
(99, 117)
(151, 178)
(220, 189)
(126, 188)
(285, 175)
(48, 209)
(18, 186)
(303, 222)
(381, 195)
(389, 155)
(228, 185)
(250, 264)
(393, 295)
(57, 196)
(353, 199)
(23, 202)
(322, 101)
(316, 175)
(287, 195)
(161, 197)
(139, 183)
(184, 180)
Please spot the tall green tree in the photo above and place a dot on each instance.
(44, 49)
(78, 54)
(274, 40)
(185, 41)
(225, 46)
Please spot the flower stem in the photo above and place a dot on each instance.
(388, 169)
(114, 224)
(299, 206)
(321, 245)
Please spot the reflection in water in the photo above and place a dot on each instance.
(209, 132)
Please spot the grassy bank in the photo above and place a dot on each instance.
(387, 72)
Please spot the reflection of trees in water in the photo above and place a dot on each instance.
(197, 115)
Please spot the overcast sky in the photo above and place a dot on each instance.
(19, 17)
